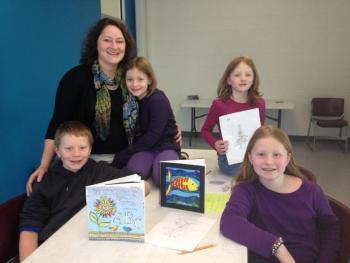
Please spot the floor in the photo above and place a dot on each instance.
(329, 163)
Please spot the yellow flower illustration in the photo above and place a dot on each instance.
(105, 206)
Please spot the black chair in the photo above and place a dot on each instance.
(9, 217)
(328, 113)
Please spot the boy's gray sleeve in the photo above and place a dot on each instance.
(35, 211)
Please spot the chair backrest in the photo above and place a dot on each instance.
(307, 173)
(9, 217)
(342, 212)
(329, 107)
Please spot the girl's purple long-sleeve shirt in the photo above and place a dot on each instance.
(156, 128)
(220, 108)
(256, 216)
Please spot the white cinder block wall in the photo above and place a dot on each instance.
(301, 49)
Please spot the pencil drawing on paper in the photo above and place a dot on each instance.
(180, 231)
(179, 228)
(242, 138)
(237, 128)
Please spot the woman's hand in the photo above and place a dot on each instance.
(221, 147)
(37, 175)
(283, 255)
(178, 136)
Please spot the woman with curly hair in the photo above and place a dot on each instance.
(95, 94)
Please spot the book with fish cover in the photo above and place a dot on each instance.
(182, 184)
(116, 209)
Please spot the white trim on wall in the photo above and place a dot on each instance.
(111, 8)
(141, 26)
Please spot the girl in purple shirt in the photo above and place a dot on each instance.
(274, 211)
(237, 91)
(154, 139)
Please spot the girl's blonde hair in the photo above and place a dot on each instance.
(224, 90)
(247, 173)
(143, 64)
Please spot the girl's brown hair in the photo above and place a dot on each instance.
(247, 173)
(224, 90)
(144, 66)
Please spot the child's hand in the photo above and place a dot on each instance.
(221, 146)
(178, 136)
(283, 255)
(147, 188)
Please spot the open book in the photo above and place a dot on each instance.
(116, 209)
(182, 184)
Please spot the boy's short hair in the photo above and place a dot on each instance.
(75, 128)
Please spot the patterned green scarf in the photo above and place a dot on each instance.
(103, 103)
(130, 114)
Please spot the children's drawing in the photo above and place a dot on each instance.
(180, 227)
(182, 186)
(183, 183)
(180, 231)
(242, 138)
(105, 208)
(237, 128)
(218, 186)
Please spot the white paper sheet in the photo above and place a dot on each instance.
(237, 128)
(198, 161)
(218, 183)
(180, 231)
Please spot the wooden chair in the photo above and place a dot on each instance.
(328, 113)
(342, 212)
(9, 217)
(307, 173)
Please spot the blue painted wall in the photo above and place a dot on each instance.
(40, 41)
(130, 17)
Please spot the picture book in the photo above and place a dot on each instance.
(237, 128)
(116, 209)
(182, 184)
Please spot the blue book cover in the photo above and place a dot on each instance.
(116, 209)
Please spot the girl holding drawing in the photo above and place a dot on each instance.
(274, 211)
(237, 91)
(156, 126)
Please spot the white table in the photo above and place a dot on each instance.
(70, 243)
(278, 105)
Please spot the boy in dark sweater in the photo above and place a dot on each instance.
(61, 194)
